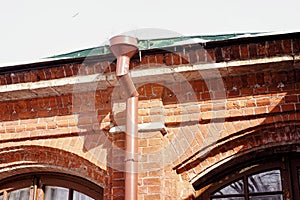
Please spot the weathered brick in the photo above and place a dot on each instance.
(60, 73)
(8, 79)
(176, 59)
(287, 46)
(168, 59)
(192, 57)
(210, 56)
(151, 181)
(2, 80)
(261, 49)
(235, 52)
(253, 50)
(279, 48)
(145, 61)
(14, 78)
(263, 102)
(159, 58)
(218, 55)
(244, 52)
(271, 50)
(296, 45)
(226, 53)
(21, 77)
(34, 76)
(48, 74)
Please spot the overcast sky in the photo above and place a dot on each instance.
(33, 29)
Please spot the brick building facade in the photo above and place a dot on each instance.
(214, 118)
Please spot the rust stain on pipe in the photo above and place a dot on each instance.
(124, 47)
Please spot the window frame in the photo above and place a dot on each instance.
(246, 193)
(295, 165)
(246, 169)
(38, 181)
(72, 183)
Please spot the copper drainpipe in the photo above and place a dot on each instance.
(124, 47)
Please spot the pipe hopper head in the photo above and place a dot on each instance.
(123, 48)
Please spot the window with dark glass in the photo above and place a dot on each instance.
(49, 187)
(265, 185)
(276, 177)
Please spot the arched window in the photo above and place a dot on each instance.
(275, 178)
(264, 185)
(46, 186)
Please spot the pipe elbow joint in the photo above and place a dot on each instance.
(122, 65)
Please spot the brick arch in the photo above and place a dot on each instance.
(27, 159)
(256, 140)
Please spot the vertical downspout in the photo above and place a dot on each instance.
(124, 47)
(131, 179)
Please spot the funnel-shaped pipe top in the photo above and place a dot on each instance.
(123, 47)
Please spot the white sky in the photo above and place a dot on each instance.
(33, 29)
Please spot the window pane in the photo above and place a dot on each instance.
(265, 182)
(80, 196)
(233, 188)
(21, 194)
(267, 197)
(56, 193)
(229, 198)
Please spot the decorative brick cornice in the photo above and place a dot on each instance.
(239, 49)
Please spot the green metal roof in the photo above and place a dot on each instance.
(152, 44)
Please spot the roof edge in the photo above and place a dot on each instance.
(51, 62)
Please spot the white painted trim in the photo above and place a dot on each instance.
(145, 127)
(110, 79)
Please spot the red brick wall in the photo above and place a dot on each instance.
(256, 107)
